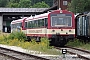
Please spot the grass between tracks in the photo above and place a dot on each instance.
(79, 44)
(18, 39)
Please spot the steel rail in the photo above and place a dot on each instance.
(79, 55)
(7, 52)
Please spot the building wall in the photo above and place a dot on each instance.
(64, 4)
(1, 21)
(61, 3)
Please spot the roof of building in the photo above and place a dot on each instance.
(22, 9)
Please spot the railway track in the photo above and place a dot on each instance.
(76, 51)
(19, 55)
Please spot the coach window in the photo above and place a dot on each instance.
(19, 25)
(25, 25)
(12, 26)
(46, 23)
(42, 23)
(39, 23)
(36, 23)
(29, 24)
(33, 25)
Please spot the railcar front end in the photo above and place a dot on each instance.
(61, 27)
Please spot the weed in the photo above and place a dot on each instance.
(75, 43)
(17, 35)
(17, 39)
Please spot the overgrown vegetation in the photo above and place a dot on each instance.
(79, 44)
(26, 3)
(17, 35)
(75, 43)
(17, 39)
(79, 6)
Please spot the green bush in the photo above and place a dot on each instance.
(75, 43)
(17, 35)
(17, 39)
(86, 46)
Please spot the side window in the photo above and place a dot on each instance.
(36, 23)
(33, 25)
(29, 25)
(19, 25)
(25, 25)
(15, 25)
(46, 22)
(41, 22)
(12, 26)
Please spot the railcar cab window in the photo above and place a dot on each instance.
(61, 20)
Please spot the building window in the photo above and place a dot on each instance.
(64, 2)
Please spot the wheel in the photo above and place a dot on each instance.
(38, 39)
(28, 38)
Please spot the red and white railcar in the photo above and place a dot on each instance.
(58, 26)
(18, 25)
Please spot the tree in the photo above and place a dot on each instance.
(19, 3)
(79, 6)
(48, 2)
(3, 3)
(13, 4)
(25, 3)
(40, 5)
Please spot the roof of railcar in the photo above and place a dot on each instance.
(18, 21)
(44, 15)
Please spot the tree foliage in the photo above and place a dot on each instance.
(24, 3)
(3, 3)
(48, 2)
(79, 6)
(19, 3)
(40, 5)
(12, 5)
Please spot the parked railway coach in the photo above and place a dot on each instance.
(18, 25)
(58, 26)
(83, 26)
